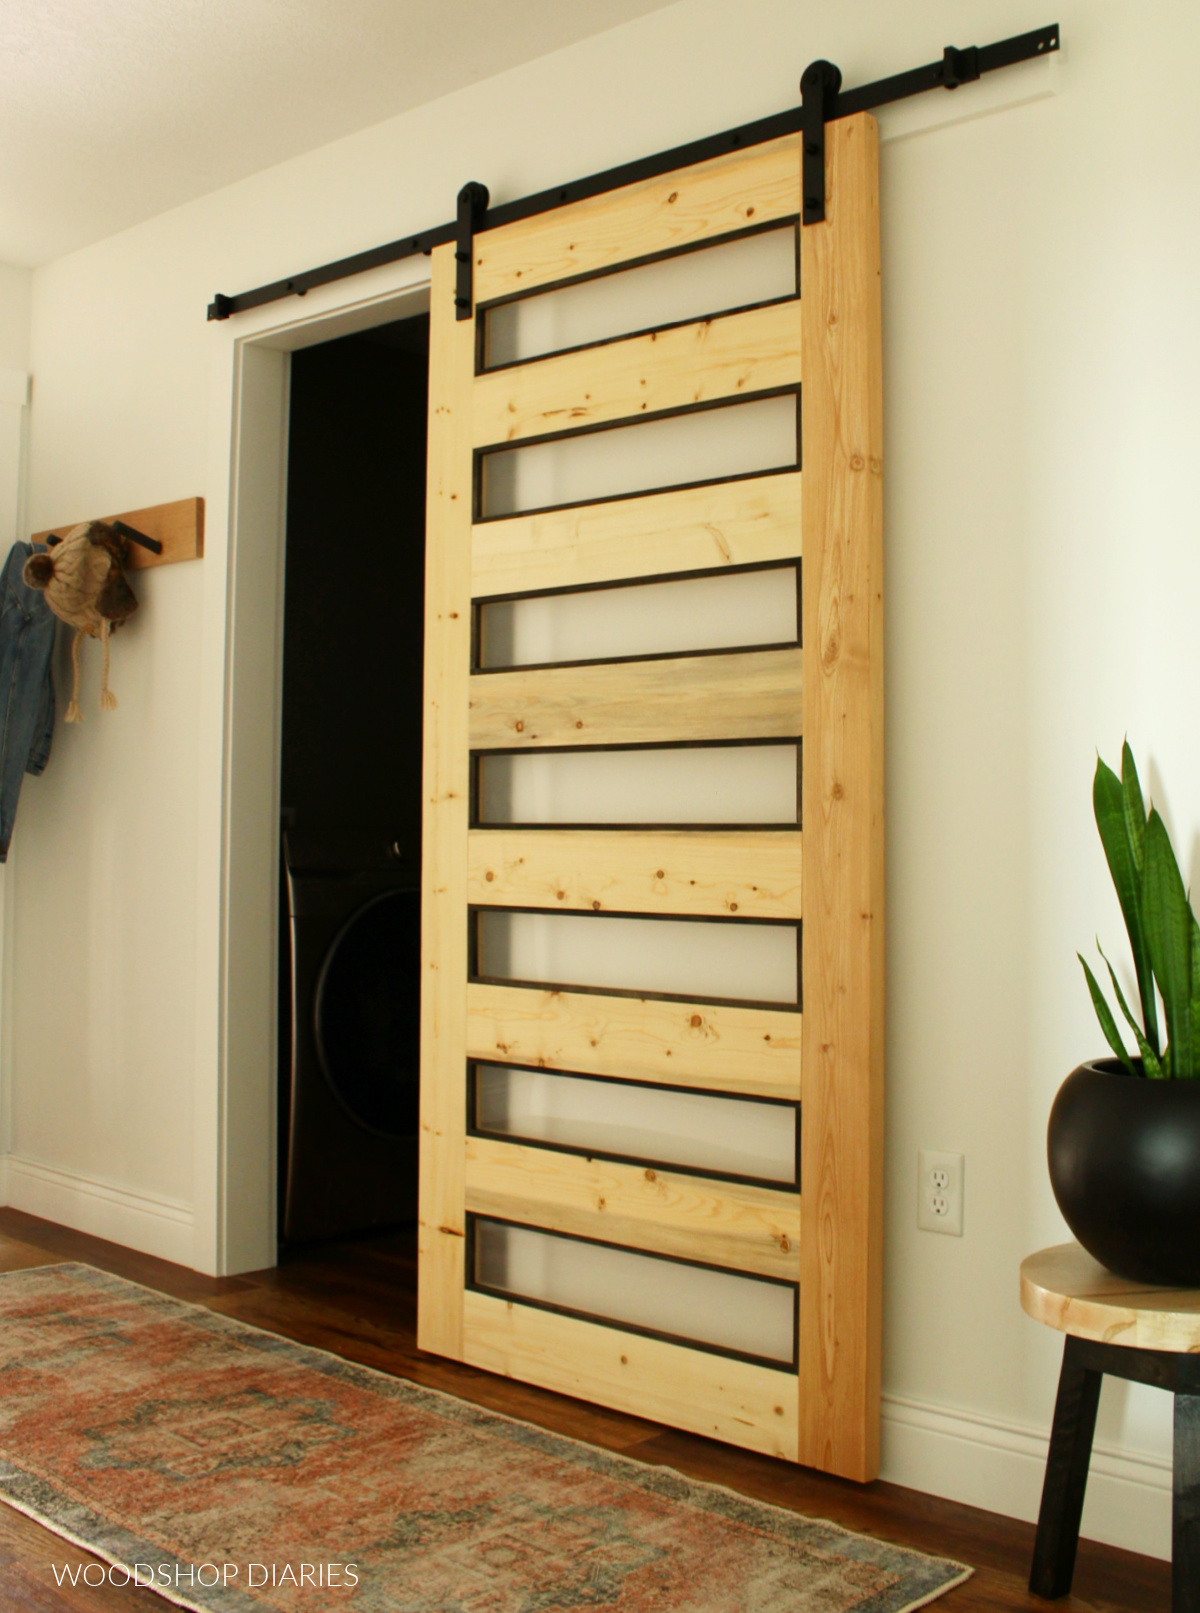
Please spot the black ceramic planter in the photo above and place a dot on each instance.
(1125, 1167)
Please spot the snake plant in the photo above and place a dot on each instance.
(1163, 932)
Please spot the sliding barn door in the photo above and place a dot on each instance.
(652, 1021)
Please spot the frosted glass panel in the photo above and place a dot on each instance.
(706, 446)
(732, 1312)
(704, 959)
(757, 268)
(701, 784)
(693, 1129)
(691, 613)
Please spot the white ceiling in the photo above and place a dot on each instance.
(113, 110)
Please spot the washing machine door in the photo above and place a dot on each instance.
(367, 1013)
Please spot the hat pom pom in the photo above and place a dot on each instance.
(39, 571)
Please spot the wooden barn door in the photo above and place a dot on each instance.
(652, 1022)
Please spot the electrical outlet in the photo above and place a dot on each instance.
(940, 1192)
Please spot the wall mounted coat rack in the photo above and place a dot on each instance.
(175, 532)
(824, 102)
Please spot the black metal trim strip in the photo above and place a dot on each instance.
(671, 1167)
(618, 498)
(477, 757)
(647, 579)
(644, 492)
(620, 913)
(1022, 47)
(482, 367)
(731, 400)
(512, 1296)
(632, 1249)
(638, 1081)
(785, 221)
(627, 660)
(474, 978)
(635, 335)
(625, 827)
(631, 423)
(632, 745)
(709, 318)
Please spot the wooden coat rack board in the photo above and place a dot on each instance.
(179, 527)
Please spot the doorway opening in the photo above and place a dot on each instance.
(350, 784)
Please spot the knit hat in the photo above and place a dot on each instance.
(84, 583)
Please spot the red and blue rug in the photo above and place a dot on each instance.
(239, 1472)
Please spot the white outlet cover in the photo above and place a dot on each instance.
(940, 1208)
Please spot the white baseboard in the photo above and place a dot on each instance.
(154, 1226)
(997, 1465)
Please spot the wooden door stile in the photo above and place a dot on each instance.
(446, 791)
(842, 969)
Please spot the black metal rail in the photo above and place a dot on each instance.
(956, 67)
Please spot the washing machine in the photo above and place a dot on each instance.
(354, 927)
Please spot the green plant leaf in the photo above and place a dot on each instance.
(1120, 818)
(1134, 804)
(1104, 1014)
(1156, 1069)
(1168, 936)
(1194, 939)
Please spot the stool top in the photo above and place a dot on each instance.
(1065, 1288)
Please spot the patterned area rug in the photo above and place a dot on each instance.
(241, 1473)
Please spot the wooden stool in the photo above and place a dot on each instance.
(1150, 1335)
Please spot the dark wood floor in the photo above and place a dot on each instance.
(357, 1299)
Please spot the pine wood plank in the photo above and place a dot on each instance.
(683, 530)
(720, 873)
(748, 1052)
(1065, 1288)
(708, 200)
(842, 1134)
(732, 356)
(752, 694)
(179, 527)
(445, 781)
(753, 1229)
(752, 1406)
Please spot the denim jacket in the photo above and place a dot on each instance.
(27, 627)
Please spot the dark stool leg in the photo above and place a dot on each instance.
(1066, 1476)
(1185, 1516)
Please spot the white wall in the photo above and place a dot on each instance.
(16, 287)
(1042, 364)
